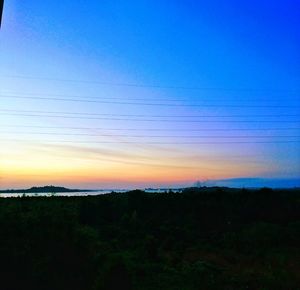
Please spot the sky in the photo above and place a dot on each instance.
(136, 94)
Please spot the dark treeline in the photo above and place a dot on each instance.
(199, 239)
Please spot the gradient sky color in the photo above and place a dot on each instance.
(125, 94)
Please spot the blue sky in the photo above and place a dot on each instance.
(233, 64)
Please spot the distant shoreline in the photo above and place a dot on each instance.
(59, 189)
(45, 189)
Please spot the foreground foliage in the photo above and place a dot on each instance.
(207, 238)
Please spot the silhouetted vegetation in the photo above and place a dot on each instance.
(209, 238)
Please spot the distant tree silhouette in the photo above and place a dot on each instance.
(201, 238)
(117, 277)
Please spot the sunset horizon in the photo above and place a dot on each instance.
(149, 145)
(148, 95)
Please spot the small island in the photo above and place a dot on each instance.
(44, 189)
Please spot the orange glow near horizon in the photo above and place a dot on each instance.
(73, 167)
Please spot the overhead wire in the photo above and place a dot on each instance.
(152, 116)
(152, 129)
(125, 84)
(150, 120)
(149, 136)
(152, 104)
(96, 96)
(158, 142)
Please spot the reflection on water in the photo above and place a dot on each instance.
(81, 193)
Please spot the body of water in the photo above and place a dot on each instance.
(81, 193)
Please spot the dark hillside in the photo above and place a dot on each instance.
(210, 238)
(43, 189)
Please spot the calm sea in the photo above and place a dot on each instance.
(82, 193)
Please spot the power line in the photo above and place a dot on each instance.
(151, 136)
(150, 104)
(134, 85)
(152, 116)
(150, 120)
(154, 142)
(95, 97)
(150, 129)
